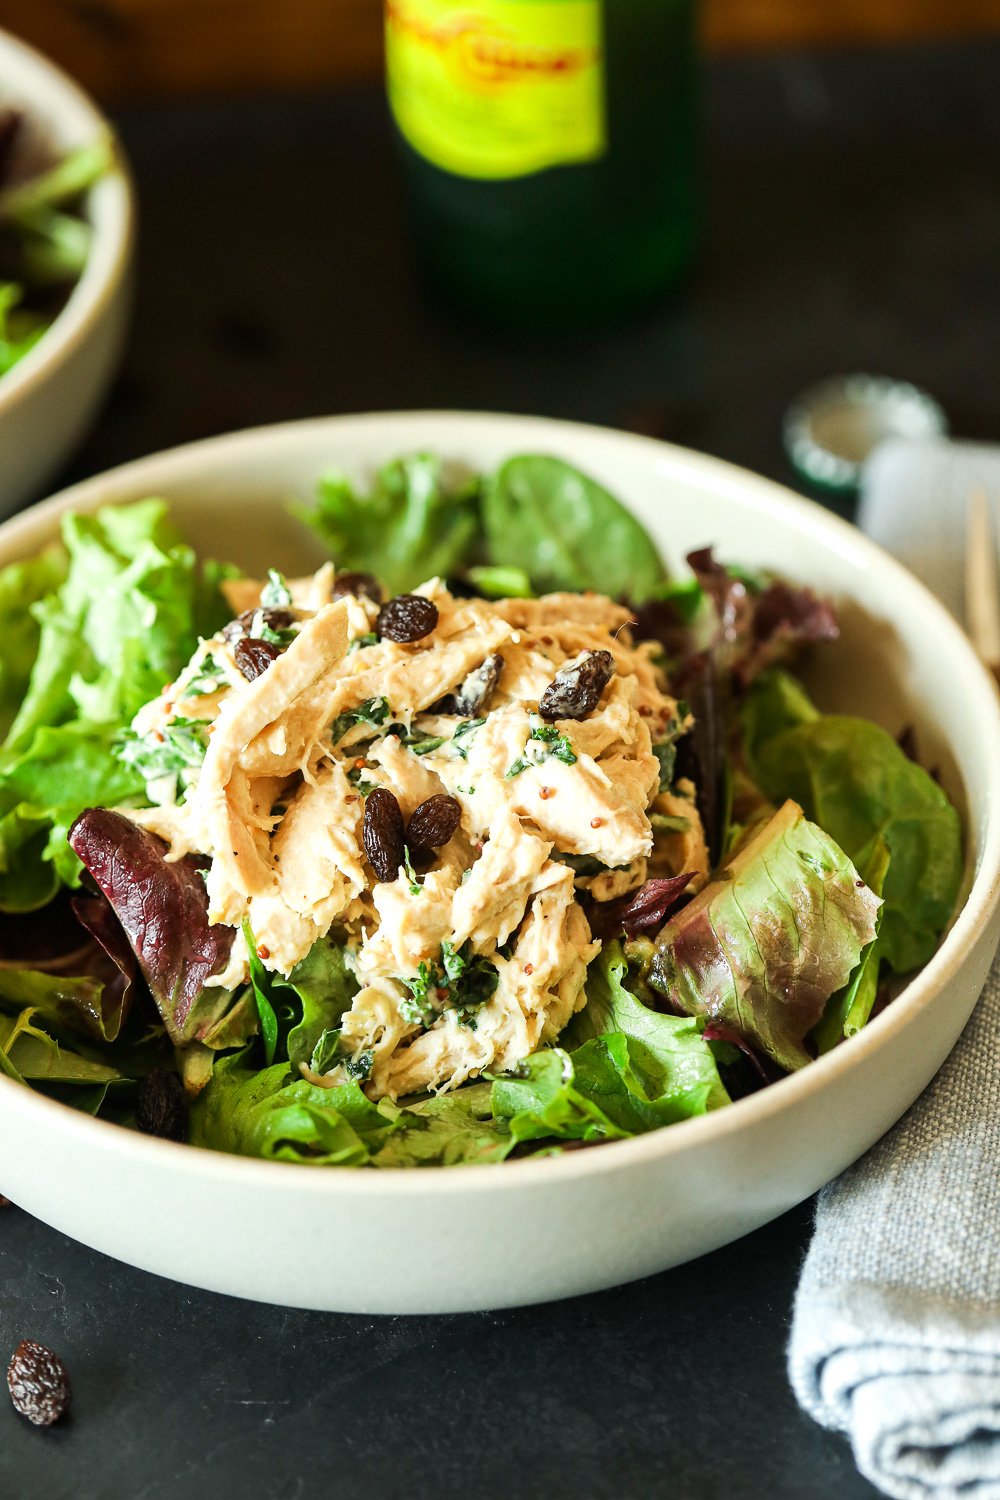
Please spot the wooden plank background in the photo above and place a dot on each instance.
(138, 49)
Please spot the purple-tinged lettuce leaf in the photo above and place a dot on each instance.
(163, 908)
(852, 779)
(641, 911)
(762, 948)
(703, 752)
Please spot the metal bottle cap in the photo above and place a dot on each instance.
(832, 427)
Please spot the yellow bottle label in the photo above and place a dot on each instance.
(497, 88)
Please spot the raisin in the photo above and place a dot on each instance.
(382, 832)
(575, 691)
(433, 823)
(274, 619)
(476, 691)
(38, 1383)
(361, 585)
(406, 618)
(161, 1106)
(253, 657)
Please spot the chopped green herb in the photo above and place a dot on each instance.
(358, 779)
(182, 743)
(460, 984)
(262, 631)
(420, 744)
(329, 1051)
(544, 741)
(209, 678)
(464, 733)
(415, 886)
(361, 641)
(374, 711)
(360, 1067)
(275, 594)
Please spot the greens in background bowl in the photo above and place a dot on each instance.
(45, 237)
(66, 229)
(492, 1235)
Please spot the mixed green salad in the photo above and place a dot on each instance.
(494, 838)
(44, 235)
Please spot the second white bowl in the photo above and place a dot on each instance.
(50, 396)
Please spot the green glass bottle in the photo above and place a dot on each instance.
(550, 150)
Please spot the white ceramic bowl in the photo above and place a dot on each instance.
(479, 1237)
(50, 396)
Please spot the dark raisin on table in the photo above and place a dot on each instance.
(407, 618)
(432, 823)
(382, 832)
(360, 585)
(161, 1106)
(575, 691)
(253, 657)
(38, 1383)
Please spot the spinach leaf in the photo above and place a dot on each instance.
(269, 990)
(566, 530)
(325, 988)
(851, 778)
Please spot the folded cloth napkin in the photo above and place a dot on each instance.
(896, 1329)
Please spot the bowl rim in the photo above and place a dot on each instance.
(753, 491)
(112, 216)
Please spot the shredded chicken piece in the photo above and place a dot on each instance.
(476, 953)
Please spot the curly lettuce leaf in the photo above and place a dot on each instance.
(30, 1054)
(108, 625)
(81, 1004)
(852, 778)
(451, 1130)
(268, 1113)
(623, 1069)
(23, 584)
(410, 527)
(763, 947)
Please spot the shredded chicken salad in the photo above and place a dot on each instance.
(446, 872)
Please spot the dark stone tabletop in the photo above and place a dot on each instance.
(853, 224)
